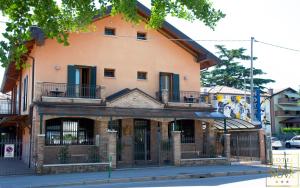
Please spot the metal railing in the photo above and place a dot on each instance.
(182, 96)
(202, 149)
(288, 100)
(6, 106)
(70, 90)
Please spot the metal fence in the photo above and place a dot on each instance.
(204, 148)
(70, 90)
(244, 146)
(183, 96)
(15, 157)
(5, 106)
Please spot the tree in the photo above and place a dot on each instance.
(230, 72)
(57, 20)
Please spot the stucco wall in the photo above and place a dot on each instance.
(122, 52)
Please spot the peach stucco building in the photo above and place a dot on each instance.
(120, 92)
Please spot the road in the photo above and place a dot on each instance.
(226, 182)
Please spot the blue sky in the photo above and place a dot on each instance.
(272, 21)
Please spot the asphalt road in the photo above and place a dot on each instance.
(229, 181)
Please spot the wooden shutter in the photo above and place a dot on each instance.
(71, 81)
(176, 89)
(160, 85)
(93, 81)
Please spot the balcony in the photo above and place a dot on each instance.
(6, 107)
(281, 113)
(183, 99)
(288, 101)
(63, 92)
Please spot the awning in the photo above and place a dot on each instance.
(293, 95)
(234, 124)
(289, 108)
(291, 120)
(67, 110)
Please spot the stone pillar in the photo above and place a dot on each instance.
(101, 138)
(262, 145)
(164, 130)
(210, 138)
(227, 145)
(127, 142)
(199, 135)
(176, 140)
(112, 147)
(40, 153)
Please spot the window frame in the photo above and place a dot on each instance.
(142, 72)
(143, 36)
(109, 69)
(113, 31)
(58, 123)
(25, 92)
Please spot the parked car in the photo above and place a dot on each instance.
(276, 143)
(294, 142)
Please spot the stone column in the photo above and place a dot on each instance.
(210, 138)
(199, 135)
(262, 145)
(176, 140)
(40, 153)
(112, 147)
(227, 145)
(164, 130)
(101, 138)
(127, 142)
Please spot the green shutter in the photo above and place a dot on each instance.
(93, 81)
(71, 81)
(176, 90)
(160, 85)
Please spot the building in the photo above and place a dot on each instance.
(285, 110)
(235, 103)
(129, 100)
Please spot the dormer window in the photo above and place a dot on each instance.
(110, 31)
(141, 36)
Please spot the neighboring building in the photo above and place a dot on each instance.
(285, 109)
(144, 87)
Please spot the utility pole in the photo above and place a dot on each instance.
(251, 84)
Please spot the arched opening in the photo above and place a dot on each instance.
(69, 131)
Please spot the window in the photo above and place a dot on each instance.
(142, 75)
(297, 112)
(187, 128)
(141, 36)
(25, 91)
(63, 131)
(109, 31)
(286, 112)
(109, 72)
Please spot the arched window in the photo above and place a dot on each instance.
(66, 131)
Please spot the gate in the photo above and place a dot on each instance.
(244, 146)
(14, 157)
(141, 141)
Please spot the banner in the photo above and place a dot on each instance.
(257, 108)
(9, 150)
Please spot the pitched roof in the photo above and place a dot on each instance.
(226, 90)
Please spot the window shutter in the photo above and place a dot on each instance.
(176, 90)
(93, 81)
(71, 81)
(160, 85)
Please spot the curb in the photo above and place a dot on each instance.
(156, 178)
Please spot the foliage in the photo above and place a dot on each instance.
(291, 130)
(64, 155)
(57, 20)
(230, 72)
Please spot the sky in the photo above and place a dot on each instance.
(271, 21)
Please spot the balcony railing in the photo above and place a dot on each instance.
(182, 97)
(6, 106)
(286, 113)
(70, 90)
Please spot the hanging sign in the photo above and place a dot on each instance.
(9, 150)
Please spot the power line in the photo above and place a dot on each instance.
(278, 46)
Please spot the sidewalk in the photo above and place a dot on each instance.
(129, 175)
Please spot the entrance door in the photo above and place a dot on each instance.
(141, 140)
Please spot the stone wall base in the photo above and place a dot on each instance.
(72, 168)
(204, 161)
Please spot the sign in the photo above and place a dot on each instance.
(9, 150)
(256, 105)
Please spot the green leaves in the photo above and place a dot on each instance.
(57, 20)
(230, 72)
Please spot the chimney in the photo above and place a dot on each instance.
(270, 91)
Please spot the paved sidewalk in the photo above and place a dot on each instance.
(129, 175)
